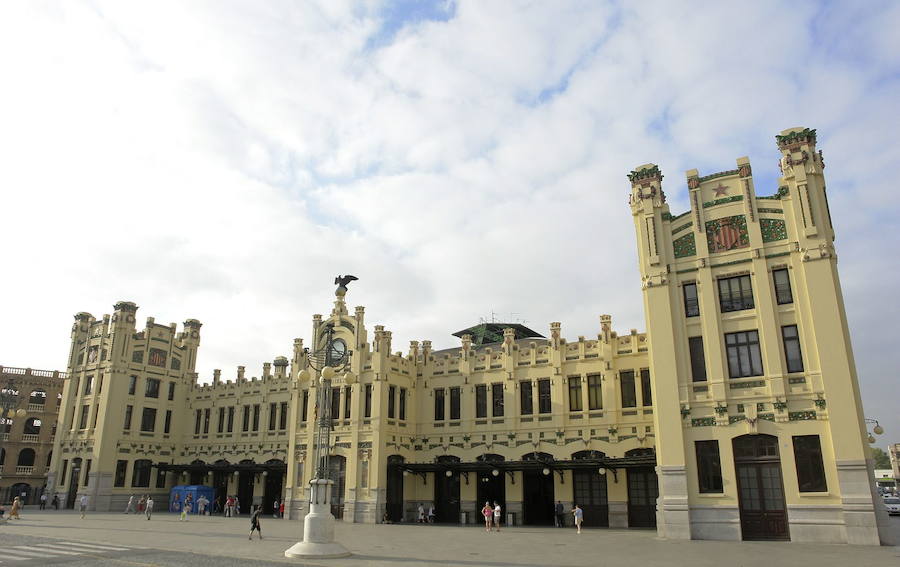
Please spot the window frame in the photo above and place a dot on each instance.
(144, 418)
(626, 377)
(691, 304)
(480, 401)
(574, 389)
(784, 295)
(646, 388)
(455, 402)
(739, 296)
(526, 397)
(743, 350)
(709, 467)
(545, 396)
(151, 388)
(791, 343)
(698, 367)
(439, 404)
(497, 403)
(595, 391)
(810, 464)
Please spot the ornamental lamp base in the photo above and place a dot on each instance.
(318, 527)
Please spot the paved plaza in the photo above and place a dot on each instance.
(45, 538)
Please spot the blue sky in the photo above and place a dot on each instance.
(225, 161)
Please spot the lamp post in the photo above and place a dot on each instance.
(877, 430)
(318, 525)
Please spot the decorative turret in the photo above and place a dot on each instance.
(281, 364)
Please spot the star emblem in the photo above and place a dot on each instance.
(720, 190)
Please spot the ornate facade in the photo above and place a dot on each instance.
(737, 415)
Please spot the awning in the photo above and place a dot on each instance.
(612, 464)
(221, 467)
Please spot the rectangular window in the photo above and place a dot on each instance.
(544, 401)
(87, 472)
(132, 385)
(96, 414)
(392, 402)
(85, 412)
(137, 356)
(140, 473)
(497, 400)
(782, 281)
(62, 476)
(454, 402)
(402, 403)
(221, 425)
(367, 410)
(792, 355)
(206, 421)
(810, 466)
(629, 395)
(691, 303)
(100, 384)
(128, 411)
(735, 294)
(698, 359)
(167, 424)
(121, 470)
(595, 392)
(273, 415)
(709, 467)
(646, 395)
(744, 357)
(439, 404)
(336, 403)
(526, 398)
(245, 423)
(148, 419)
(255, 417)
(171, 391)
(575, 393)
(88, 383)
(303, 409)
(230, 419)
(197, 422)
(480, 400)
(348, 396)
(152, 388)
(282, 417)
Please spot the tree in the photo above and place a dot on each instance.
(882, 461)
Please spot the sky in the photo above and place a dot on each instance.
(224, 161)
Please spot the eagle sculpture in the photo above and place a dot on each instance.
(342, 282)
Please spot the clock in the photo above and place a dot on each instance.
(336, 353)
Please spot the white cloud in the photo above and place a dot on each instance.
(225, 161)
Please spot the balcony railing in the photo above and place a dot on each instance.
(25, 470)
(736, 302)
(29, 438)
(4, 436)
(35, 407)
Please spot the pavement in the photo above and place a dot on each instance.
(114, 539)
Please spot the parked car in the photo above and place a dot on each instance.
(892, 503)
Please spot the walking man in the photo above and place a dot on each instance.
(560, 511)
(148, 507)
(497, 512)
(254, 521)
(43, 505)
(129, 508)
(82, 504)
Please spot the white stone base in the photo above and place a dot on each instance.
(305, 549)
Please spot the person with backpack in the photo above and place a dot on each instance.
(254, 522)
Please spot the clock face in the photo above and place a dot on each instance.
(337, 352)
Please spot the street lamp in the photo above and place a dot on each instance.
(878, 430)
(332, 357)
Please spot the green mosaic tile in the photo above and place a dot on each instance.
(685, 246)
(801, 415)
(703, 422)
(723, 200)
(773, 230)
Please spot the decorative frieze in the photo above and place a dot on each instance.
(773, 230)
(685, 246)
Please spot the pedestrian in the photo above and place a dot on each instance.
(217, 505)
(186, 509)
(82, 505)
(421, 511)
(55, 502)
(201, 505)
(129, 508)
(488, 513)
(43, 505)
(579, 516)
(431, 514)
(275, 509)
(560, 511)
(497, 512)
(237, 506)
(16, 506)
(254, 522)
(176, 506)
(148, 507)
(229, 504)
(141, 503)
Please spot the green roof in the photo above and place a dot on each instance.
(487, 333)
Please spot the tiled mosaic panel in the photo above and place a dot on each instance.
(772, 230)
(685, 246)
(728, 233)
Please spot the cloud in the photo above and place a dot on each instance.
(225, 161)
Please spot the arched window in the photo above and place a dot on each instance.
(140, 476)
(26, 458)
(32, 426)
(37, 397)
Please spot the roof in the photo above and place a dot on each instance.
(485, 333)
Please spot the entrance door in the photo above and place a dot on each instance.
(590, 493)
(446, 493)
(760, 489)
(337, 469)
(272, 491)
(394, 495)
(220, 483)
(74, 477)
(245, 491)
(642, 494)
(537, 493)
